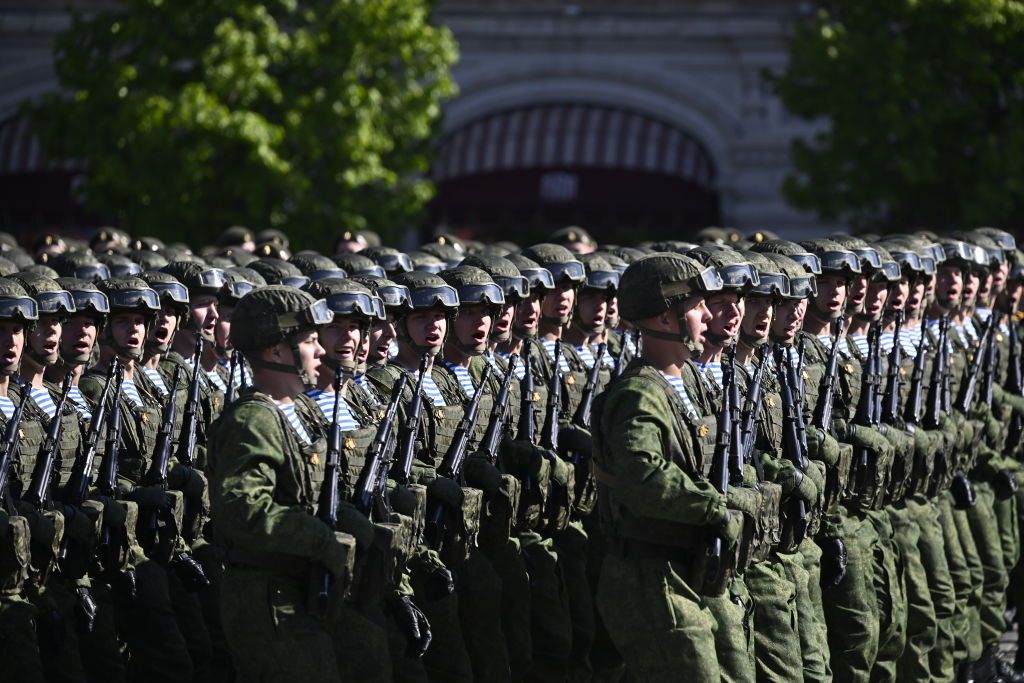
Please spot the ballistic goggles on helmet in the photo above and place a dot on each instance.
(771, 284)
(175, 291)
(236, 289)
(957, 250)
(602, 279)
(327, 273)
(316, 315)
(55, 302)
(890, 271)
(212, 278)
(125, 269)
(513, 286)
(840, 261)
(21, 307)
(134, 298)
(739, 275)
(910, 260)
(869, 258)
(370, 271)
(1004, 239)
(84, 300)
(356, 303)
(394, 262)
(428, 267)
(93, 272)
(395, 296)
(802, 287)
(429, 297)
(995, 255)
(481, 294)
(810, 262)
(571, 271)
(296, 281)
(708, 280)
(540, 279)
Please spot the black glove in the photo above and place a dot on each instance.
(151, 497)
(189, 572)
(85, 608)
(439, 584)
(1004, 484)
(413, 624)
(833, 561)
(963, 492)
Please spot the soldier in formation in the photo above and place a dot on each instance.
(735, 459)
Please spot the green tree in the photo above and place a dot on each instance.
(308, 116)
(922, 108)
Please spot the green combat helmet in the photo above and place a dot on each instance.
(80, 264)
(506, 275)
(279, 272)
(238, 281)
(274, 314)
(89, 302)
(475, 286)
(16, 306)
(563, 266)
(659, 283)
(350, 299)
(120, 265)
(357, 264)
(316, 266)
(149, 260)
(388, 258)
(797, 252)
(427, 291)
(50, 300)
(42, 270)
(801, 283)
(428, 263)
(174, 296)
(396, 297)
(446, 251)
(600, 277)
(129, 295)
(7, 267)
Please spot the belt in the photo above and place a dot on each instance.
(275, 562)
(633, 549)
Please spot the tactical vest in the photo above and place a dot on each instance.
(34, 426)
(867, 488)
(837, 477)
(139, 425)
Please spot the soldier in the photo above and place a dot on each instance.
(656, 504)
(267, 469)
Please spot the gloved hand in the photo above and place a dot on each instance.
(1004, 484)
(481, 474)
(413, 624)
(402, 500)
(796, 483)
(743, 499)
(731, 527)
(575, 439)
(355, 523)
(559, 470)
(189, 572)
(963, 492)
(833, 561)
(338, 554)
(822, 446)
(446, 492)
(151, 497)
(865, 437)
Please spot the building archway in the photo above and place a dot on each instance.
(523, 171)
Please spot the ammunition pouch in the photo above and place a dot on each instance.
(82, 527)
(381, 567)
(766, 528)
(15, 553)
(500, 512)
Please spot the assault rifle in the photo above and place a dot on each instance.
(156, 475)
(190, 420)
(719, 475)
(527, 428)
(582, 416)
(796, 520)
(549, 437)
(891, 399)
(499, 416)
(10, 449)
(229, 395)
(81, 473)
(38, 492)
(969, 381)
(827, 389)
(620, 357)
(752, 406)
(991, 365)
(866, 415)
(912, 414)
(106, 482)
(374, 471)
(936, 392)
(1014, 384)
(330, 493)
(452, 464)
(402, 470)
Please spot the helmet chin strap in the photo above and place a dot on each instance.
(683, 337)
(40, 359)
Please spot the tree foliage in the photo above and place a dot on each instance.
(922, 108)
(305, 115)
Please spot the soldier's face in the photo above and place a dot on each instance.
(696, 317)
(898, 294)
(473, 325)
(874, 302)
(789, 318)
(78, 335)
(970, 290)
(222, 330)
(128, 330)
(726, 310)
(1000, 276)
(12, 344)
(984, 286)
(592, 309)
(164, 325)
(381, 336)
(949, 285)
(341, 339)
(427, 327)
(527, 314)
(915, 295)
(503, 323)
(310, 353)
(204, 315)
(831, 296)
(45, 338)
(857, 291)
(613, 312)
(558, 304)
(757, 317)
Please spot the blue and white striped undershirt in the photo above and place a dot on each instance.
(861, 342)
(132, 392)
(154, 376)
(431, 390)
(7, 407)
(587, 356)
(462, 374)
(933, 325)
(212, 376)
(293, 419)
(714, 368)
(969, 328)
(844, 347)
(240, 372)
(42, 398)
(680, 387)
(983, 313)
(549, 346)
(520, 369)
(325, 399)
(79, 402)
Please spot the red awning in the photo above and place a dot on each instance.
(20, 151)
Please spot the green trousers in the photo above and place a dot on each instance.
(984, 528)
(550, 620)
(932, 551)
(447, 658)
(921, 622)
(777, 649)
(479, 589)
(976, 571)
(963, 586)
(734, 641)
(851, 607)
(571, 546)
(507, 560)
(891, 599)
(813, 629)
(663, 629)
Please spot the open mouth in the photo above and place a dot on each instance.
(10, 358)
(50, 347)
